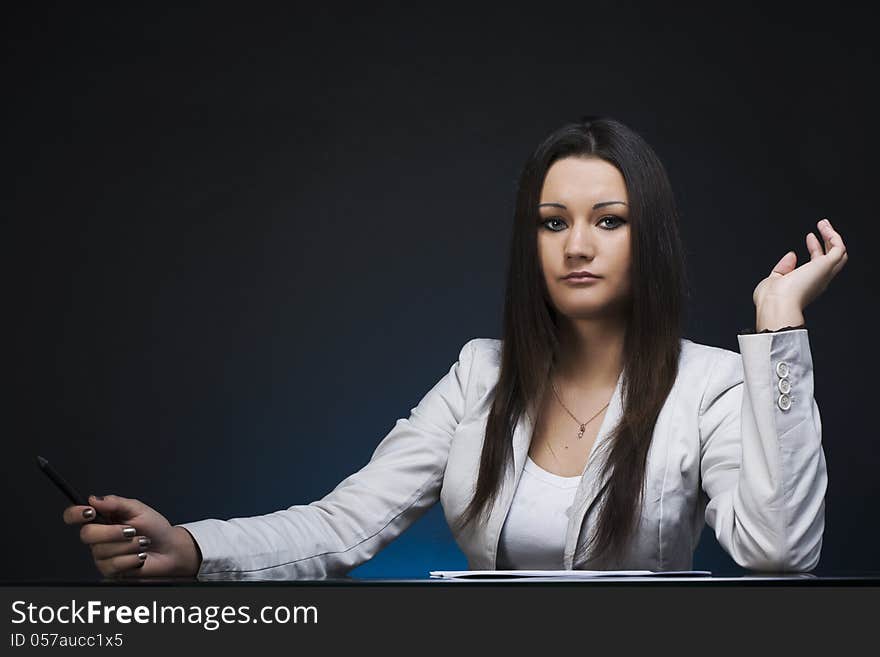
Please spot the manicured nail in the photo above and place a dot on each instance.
(143, 541)
(142, 556)
(88, 514)
(128, 532)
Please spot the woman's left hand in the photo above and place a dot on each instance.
(788, 290)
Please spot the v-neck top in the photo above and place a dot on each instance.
(533, 536)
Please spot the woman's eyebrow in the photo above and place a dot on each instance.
(595, 207)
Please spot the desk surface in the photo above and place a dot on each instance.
(759, 579)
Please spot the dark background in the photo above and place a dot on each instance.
(241, 241)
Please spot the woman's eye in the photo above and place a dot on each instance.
(613, 218)
(551, 219)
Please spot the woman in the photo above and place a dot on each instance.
(591, 437)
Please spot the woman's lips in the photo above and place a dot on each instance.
(581, 280)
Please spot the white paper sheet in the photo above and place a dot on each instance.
(562, 574)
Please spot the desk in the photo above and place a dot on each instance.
(763, 579)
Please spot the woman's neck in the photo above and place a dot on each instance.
(590, 353)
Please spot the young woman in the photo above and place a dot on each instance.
(591, 436)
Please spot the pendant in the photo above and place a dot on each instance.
(581, 432)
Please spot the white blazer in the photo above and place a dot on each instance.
(737, 444)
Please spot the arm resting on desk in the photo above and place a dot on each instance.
(762, 464)
(365, 512)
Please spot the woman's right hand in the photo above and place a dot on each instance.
(154, 548)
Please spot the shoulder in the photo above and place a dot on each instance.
(481, 357)
(483, 345)
(695, 355)
(482, 352)
(713, 370)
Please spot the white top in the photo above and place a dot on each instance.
(533, 536)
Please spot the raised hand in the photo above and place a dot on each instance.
(782, 297)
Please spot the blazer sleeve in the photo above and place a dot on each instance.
(361, 515)
(762, 464)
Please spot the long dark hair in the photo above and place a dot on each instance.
(653, 325)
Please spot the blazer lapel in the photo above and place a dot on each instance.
(591, 485)
(522, 438)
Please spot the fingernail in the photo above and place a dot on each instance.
(88, 514)
(142, 556)
(143, 541)
(140, 564)
(128, 532)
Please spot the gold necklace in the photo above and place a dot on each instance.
(582, 425)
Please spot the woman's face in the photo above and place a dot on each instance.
(584, 225)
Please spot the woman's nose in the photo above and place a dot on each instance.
(580, 242)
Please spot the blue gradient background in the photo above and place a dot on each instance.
(239, 247)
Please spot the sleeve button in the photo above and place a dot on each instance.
(782, 369)
(784, 402)
(784, 386)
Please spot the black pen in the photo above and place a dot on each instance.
(67, 489)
